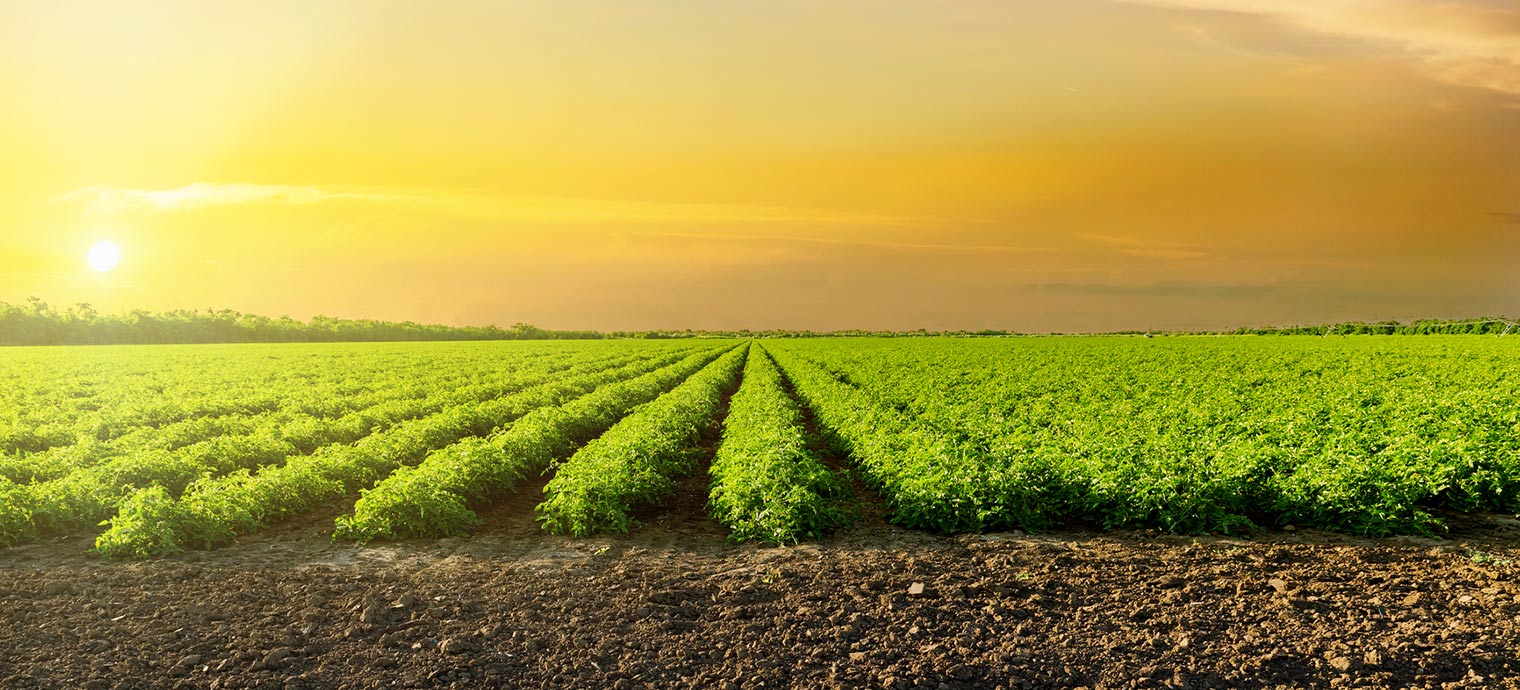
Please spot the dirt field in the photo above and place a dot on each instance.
(673, 605)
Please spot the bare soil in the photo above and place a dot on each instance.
(672, 605)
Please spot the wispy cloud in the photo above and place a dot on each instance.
(1144, 248)
(1162, 289)
(1466, 42)
(102, 199)
(203, 195)
(859, 242)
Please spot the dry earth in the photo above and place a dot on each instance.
(673, 605)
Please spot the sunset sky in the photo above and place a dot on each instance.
(1071, 165)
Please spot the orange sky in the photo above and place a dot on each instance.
(1074, 165)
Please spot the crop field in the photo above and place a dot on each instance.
(1029, 512)
(189, 447)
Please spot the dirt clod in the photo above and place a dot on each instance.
(371, 614)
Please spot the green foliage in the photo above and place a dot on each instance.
(1484, 558)
(637, 461)
(766, 484)
(1183, 434)
(16, 507)
(928, 479)
(434, 499)
(189, 447)
(214, 509)
(81, 484)
(152, 518)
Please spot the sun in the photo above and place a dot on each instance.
(103, 256)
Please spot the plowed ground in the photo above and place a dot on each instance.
(672, 605)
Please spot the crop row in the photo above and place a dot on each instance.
(435, 498)
(1206, 434)
(214, 510)
(286, 421)
(90, 494)
(637, 461)
(928, 480)
(52, 398)
(767, 484)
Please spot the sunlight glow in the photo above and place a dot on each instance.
(103, 256)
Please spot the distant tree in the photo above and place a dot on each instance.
(38, 323)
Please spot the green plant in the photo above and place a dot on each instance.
(766, 484)
(636, 461)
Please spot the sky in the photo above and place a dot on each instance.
(1083, 165)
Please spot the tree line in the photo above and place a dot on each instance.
(38, 323)
(1480, 326)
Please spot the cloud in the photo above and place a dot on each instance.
(857, 242)
(1144, 248)
(201, 195)
(1466, 42)
(1162, 289)
(102, 199)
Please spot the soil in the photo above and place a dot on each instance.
(674, 605)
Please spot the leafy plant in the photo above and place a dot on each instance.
(766, 484)
(636, 461)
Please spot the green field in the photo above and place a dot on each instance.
(165, 448)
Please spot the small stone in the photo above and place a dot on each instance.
(1372, 658)
(857, 656)
(188, 660)
(385, 662)
(916, 589)
(371, 614)
(1412, 599)
(641, 613)
(1278, 584)
(1341, 664)
(1465, 599)
(454, 645)
(277, 655)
